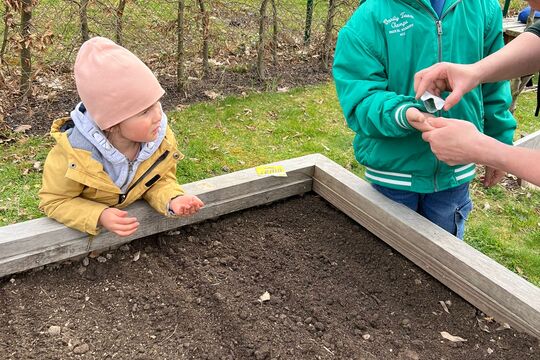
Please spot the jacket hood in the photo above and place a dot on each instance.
(88, 130)
(85, 135)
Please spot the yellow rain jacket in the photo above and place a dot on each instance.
(76, 189)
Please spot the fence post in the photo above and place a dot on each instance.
(205, 22)
(120, 20)
(83, 6)
(329, 26)
(260, 45)
(180, 47)
(7, 15)
(26, 55)
(274, 32)
(309, 20)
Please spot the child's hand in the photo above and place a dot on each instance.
(185, 205)
(116, 221)
(418, 119)
(492, 176)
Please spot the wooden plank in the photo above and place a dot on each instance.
(531, 141)
(512, 28)
(484, 283)
(42, 241)
(512, 23)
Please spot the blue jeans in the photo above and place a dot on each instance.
(448, 208)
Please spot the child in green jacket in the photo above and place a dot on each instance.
(378, 52)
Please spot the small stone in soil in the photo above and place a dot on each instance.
(409, 354)
(81, 349)
(243, 315)
(54, 330)
(262, 353)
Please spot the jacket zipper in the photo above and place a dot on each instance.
(130, 169)
(162, 157)
(438, 24)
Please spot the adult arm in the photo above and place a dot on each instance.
(520, 57)
(459, 142)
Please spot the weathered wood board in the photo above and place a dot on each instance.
(38, 242)
(480, 280)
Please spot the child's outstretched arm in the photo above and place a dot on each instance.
(185, 205)
(167, 196)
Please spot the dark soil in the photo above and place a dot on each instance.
(336, 292)
(40, 110)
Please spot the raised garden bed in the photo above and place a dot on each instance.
(336, 291)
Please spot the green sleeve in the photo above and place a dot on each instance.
(361, 85)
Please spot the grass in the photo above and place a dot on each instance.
(240, 132)
(257, 129)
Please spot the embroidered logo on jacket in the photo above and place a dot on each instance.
(399, 24)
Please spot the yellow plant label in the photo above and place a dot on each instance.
(275, 170)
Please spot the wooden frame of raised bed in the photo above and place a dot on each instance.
(478, 279)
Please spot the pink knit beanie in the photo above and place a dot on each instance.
(113, 83)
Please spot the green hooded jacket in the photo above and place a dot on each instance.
(379, 51)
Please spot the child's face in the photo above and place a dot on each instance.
(143, 127)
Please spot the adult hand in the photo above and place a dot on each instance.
(492, 176)
(118, 222)
(418, 119)
(454, 141)
(459, 79)
(185, 205)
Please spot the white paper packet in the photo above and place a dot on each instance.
(433, 103)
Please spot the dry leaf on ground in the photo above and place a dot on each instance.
(22, 128)
(452, 338)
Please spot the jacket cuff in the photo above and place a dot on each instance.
(91, 225)
(169, 210)
(398, 114)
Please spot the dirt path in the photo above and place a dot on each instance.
(336, 292)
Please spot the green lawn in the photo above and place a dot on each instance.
(240, 132)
